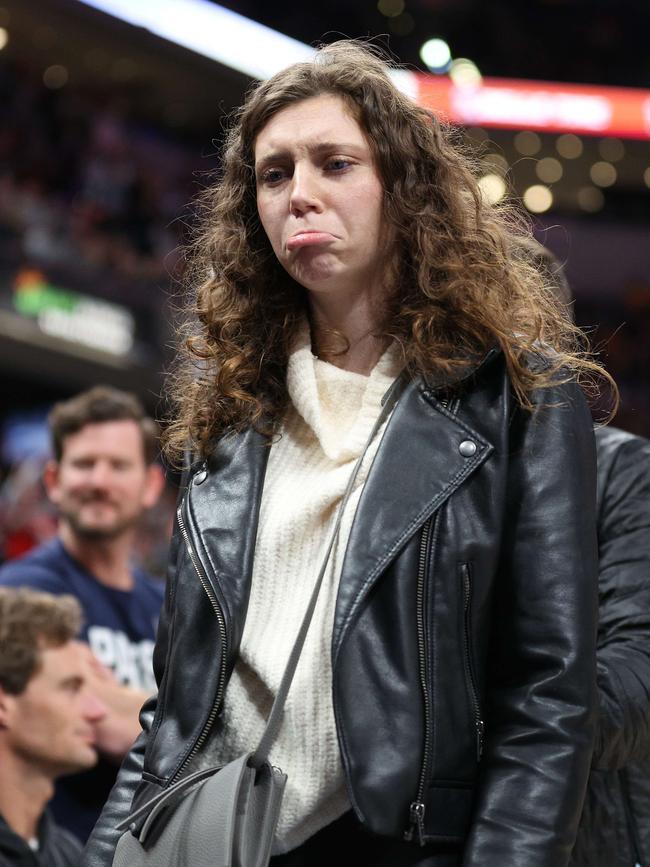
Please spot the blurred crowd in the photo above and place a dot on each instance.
(88, 193)
(84, 183)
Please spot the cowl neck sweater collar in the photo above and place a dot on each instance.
(340, 407)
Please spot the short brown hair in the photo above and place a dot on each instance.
(99, 404)
(29, 621)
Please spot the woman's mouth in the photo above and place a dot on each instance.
(308, 239)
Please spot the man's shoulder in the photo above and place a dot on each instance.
(148, 585)
(612, 441)
(60, 846)
(623, 460)
(43, 568)
(623, 490)
(57, 846)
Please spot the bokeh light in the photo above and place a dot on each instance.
(465, 73)
(569, 146)
(611, 149)
(549, 170)
(436, 54)
(603, 174)
(391, 8)
(493, 188)
(55, 76)
(591, 199)
(538, 198)
(528, 143)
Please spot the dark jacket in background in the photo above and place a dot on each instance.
(615, 825)
(57, 848)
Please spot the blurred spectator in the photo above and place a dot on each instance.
(103, 478)
(26, 520)
(615, 825)
(48, 718)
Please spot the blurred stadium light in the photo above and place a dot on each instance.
(212, 31)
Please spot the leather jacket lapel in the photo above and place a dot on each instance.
(223, 508)
(425, 454)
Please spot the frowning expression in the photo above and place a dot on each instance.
(320, 196)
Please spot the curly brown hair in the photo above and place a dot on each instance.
(461, 279)
(29, 621)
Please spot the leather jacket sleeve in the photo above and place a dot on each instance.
(541, 690)
(100, 847)
(623, 732)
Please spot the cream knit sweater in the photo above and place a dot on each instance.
(324, 432)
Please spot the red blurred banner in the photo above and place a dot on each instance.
(539, 105)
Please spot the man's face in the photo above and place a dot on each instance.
(50, 725)
(102, 484)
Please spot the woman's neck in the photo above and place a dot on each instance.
(344, 334)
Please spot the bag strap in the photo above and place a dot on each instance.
(164, 797)
(259, 757)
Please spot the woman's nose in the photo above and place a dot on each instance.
(305, 191)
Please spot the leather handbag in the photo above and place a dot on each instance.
(218, 817)
(226, 816)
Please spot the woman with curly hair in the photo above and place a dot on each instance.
(349, 277)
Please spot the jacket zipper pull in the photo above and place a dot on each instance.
(416, 819)
(480, 731)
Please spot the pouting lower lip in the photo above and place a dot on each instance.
(307, 238)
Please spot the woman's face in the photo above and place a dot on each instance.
(319, 196)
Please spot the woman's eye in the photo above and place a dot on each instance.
(272, 176)
(338, 164)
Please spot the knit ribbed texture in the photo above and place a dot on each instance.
(324, 432)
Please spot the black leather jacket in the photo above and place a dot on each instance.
(615, 826)
(463, 644)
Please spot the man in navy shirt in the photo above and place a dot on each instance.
(102, 479)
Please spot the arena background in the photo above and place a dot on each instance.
(111, 114)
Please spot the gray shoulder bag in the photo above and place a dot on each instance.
(227, 816)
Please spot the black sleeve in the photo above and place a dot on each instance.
(542, 687)
(623, 733)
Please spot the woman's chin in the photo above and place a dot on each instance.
(318, 279)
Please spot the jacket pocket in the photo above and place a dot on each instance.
(469, 669)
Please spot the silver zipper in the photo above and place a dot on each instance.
(417, 807)
(222, 629)
(479, 725)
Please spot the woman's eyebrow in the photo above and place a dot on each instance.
(315, 148)
(330, 146)
(270, 158)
